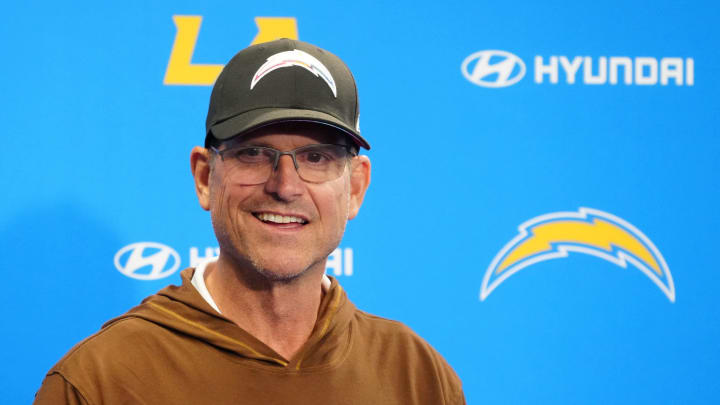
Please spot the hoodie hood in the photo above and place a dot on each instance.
(182, 309)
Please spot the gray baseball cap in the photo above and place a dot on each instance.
(279, 81)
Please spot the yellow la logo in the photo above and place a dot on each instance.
(181, 70)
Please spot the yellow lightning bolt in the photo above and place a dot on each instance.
(598, 234)
(181, 70)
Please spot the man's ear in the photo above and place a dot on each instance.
(200, 167)
(359, 182)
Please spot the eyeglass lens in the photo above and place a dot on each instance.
(314, 163)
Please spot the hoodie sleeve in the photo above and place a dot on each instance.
(56, 390)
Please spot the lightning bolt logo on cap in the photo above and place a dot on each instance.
(589, 231)
(295, 57)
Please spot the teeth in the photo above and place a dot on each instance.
(279, 219)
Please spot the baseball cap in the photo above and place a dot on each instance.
(279, 81)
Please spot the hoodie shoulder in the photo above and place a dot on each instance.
(112, 354)
(399, 344)
(122, 338)
(385, 328)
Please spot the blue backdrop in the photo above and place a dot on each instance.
(492, 124)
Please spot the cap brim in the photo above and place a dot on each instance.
(250, 120)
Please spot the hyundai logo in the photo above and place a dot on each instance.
(147, 260)
(493, 68)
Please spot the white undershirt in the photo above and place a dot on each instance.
(198, 281)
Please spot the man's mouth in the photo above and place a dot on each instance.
(279, 219)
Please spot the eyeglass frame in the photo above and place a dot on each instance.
(279, 153)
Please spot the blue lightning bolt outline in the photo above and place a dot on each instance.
(561, 250)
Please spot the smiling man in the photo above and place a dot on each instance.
(281, 175)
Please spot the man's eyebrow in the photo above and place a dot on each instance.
(251, 143)
(248, 143)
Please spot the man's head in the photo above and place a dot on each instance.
(281, 189)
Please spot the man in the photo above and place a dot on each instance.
(263, 324)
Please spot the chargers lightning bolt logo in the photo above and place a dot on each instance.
(295, 58)
(589, 231)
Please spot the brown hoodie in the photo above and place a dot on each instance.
(175, 349)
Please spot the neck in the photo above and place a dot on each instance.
(281, 314)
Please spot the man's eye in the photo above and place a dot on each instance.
(251, 155)
(248, 152)
(316, 157)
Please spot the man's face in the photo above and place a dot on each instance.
(246, 217)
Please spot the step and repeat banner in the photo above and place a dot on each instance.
(545, 193)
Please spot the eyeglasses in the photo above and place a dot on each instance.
(316, 163)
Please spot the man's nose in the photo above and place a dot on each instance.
(284, 181)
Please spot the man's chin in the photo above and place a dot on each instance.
(280, 276)
(276, 265)
(282, 272)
